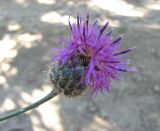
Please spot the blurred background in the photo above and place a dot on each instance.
(28, 31)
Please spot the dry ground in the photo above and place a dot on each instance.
(30, 28)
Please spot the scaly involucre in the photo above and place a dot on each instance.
(97, 52)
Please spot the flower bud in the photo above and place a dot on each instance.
(67, 80)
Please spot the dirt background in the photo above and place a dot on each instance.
(28, 31)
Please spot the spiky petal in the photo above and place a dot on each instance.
(100, 56)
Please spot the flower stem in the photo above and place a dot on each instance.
(52, 94)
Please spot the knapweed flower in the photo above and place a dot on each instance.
(100, 56)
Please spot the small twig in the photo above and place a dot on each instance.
(52, 94)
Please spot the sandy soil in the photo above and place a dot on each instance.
(28, 31)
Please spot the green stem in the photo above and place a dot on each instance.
(52, 94)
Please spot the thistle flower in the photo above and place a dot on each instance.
(99, 55)
(91, 59)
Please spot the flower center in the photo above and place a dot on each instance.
(84, 60)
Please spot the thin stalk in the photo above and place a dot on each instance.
(52, 94)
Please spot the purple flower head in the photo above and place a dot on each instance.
(95, 50)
